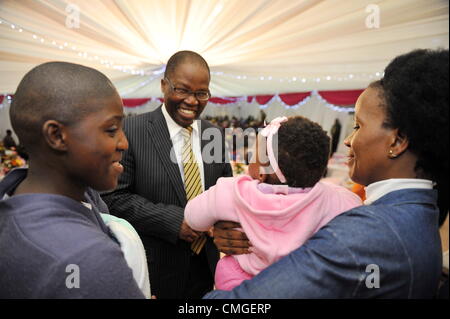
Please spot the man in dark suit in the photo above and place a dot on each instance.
(151, 192)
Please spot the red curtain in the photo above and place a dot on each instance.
(219, 100)
(294, 98)
(347, 97)
(2, 97)
(342, 98)
(263, 99)
(134, 102)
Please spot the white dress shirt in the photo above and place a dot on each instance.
(177, 142)
(377, 190)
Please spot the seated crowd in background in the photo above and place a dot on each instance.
(240, 135)
(11, 154)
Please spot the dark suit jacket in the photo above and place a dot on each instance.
(151, 196)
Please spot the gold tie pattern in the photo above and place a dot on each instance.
(192, 180)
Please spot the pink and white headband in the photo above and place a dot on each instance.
(269, 131)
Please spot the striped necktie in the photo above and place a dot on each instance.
(192, 180)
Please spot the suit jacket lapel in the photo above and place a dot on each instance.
(159, 134)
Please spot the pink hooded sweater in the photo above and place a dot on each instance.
(275, 224)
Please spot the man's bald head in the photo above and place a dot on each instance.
(184, 57)
(58, 91)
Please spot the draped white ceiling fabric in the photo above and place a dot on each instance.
(253, 47)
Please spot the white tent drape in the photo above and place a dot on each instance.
(253, 47)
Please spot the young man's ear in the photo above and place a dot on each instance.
(55, 135)
(399, 145)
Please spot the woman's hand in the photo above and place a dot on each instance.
(229, 240)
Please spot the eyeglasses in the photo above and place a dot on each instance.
(184, 93)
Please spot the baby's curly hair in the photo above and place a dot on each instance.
(303, 151)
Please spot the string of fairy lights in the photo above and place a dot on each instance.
(155, 73)
(77, 49)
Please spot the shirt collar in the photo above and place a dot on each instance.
(173, 127)
(377, 190)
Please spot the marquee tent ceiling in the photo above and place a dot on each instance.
(253, 47)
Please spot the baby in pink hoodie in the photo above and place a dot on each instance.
(280, 205)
